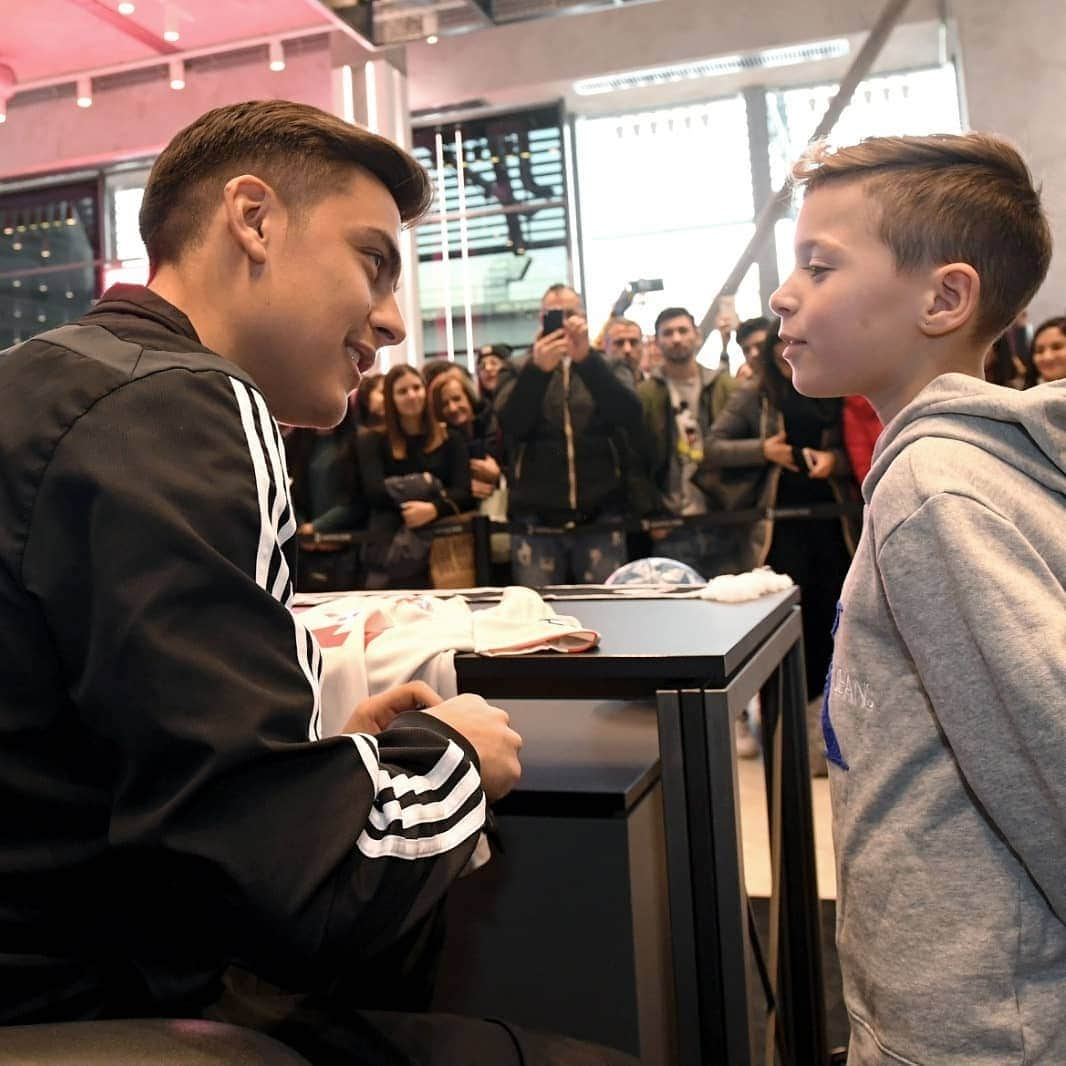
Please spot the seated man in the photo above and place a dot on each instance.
(170, 811)
(569, 422)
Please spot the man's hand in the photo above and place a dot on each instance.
(822, 463)
(418, 513)
(548, 351)
(375, 714)
(481, 490)
(776, 449)
(576, 329)
(486, 469)
(487, 729)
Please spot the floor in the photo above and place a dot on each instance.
(752, 785)
(756, 835)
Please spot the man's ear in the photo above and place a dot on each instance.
(253, 212)
(953, 300)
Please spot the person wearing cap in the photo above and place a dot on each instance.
(493, 369)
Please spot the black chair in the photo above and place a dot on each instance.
(142, 1042)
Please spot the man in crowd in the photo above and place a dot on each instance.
(568, 420)
(680, 401)
(750, 336)
(623, 343)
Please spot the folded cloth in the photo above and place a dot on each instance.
(371, 643)
(735, 588)
(522, 622)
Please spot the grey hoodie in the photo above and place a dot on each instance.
(945, 723)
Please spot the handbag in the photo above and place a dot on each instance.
(452, 562)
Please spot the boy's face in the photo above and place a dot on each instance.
(849, 318)
(326, 302)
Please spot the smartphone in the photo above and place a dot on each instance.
(553, 320)
(476, 449)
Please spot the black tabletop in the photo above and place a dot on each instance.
(582, 757)
(645, 645)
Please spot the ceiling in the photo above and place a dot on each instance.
(47, 39)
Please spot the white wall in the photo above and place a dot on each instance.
(1014, 66)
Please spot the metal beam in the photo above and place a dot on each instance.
(777, 205)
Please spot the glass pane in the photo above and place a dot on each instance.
(666, 194)
(916, 102)
(514, 226)
(48, 259)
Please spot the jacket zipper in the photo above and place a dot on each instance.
(568, 429)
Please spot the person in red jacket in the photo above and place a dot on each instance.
(862, 427)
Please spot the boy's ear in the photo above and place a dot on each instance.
(252, 214)
(953, 300)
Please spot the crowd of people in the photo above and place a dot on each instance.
(576, 441)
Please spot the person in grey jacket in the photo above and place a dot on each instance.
(945, 711)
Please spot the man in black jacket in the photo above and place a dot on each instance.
(569, 422)
(170, 809)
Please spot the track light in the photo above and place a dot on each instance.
(277, 56)
(85, 92)
(126, 8)
(177, 73)
(170, 24)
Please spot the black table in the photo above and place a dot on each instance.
(567, 929)
(702, 662)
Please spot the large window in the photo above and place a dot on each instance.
(500, 234)
(666, 194)
(915, 102)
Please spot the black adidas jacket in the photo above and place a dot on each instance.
(166, 806)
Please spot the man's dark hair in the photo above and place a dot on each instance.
(561, 286)
(302, 152)
(673, 312)
(750, 326)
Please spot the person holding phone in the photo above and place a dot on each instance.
(777, 448)
(569, 422)
(453, 402)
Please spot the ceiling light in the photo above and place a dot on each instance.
(277, 56)
(126, 8)
(432, 39)
(170, 24)
(3, 111)
(709, 68)
(177, 73)
(85, 92)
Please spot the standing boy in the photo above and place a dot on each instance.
(945, 712)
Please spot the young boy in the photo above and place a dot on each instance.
(945, 713)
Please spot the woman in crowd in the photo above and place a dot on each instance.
(454, 403)
(411, 442)
(1048, 350)
(772, 447)
(370, 402)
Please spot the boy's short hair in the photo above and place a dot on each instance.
(668, 313)
(950, 198)
(303, 152)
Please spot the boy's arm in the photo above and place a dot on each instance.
(156, 555)
(984, 619)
